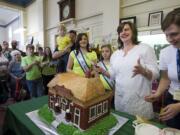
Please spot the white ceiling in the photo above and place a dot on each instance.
(7, 15)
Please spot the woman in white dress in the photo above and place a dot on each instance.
(170, 71)
(133, 67)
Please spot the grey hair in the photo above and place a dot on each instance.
(15, 52)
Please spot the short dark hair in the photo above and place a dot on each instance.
(134, 33)
(73, 31)
(40, 48)
(30, 46)
(172, 17)
(5, 42)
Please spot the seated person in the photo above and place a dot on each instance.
(16, 72)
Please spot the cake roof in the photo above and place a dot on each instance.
(83, 89)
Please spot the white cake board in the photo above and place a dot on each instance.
(51, 130)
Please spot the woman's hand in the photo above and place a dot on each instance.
(138, 69)
(169, 111)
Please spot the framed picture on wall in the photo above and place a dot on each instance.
(155, 18)
(128, 19)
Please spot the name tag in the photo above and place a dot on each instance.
(176, 95)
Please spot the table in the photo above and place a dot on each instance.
(19, 123)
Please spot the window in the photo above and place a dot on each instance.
(59, 100)
(77, 116)
(92, 113)
(99, 109)
(51, 102)
(156, 41)
(64, 101)
(77, 111)
(105, 106)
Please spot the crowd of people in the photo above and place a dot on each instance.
(129, 71)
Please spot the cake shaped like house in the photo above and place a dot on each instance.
(86, 98)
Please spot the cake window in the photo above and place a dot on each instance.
(77, 111)
(92, 113)
(64, 101)
(105, 106)
(59, 100)
(99, 109)
(51, 102)
(51, 105)
(51, 98)
(77, 116)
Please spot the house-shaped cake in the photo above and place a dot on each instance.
(85, 98)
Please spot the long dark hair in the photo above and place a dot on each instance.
(78, 39)
(45, 57)
(134, 33)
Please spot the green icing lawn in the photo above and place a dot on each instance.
(65, 129)
(100, 128)
(46, 114)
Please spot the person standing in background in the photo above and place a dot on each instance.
(62, 50)
(31, 65)
(40, 52)
(133, 67)
(48, 68)
(170, 71)
(72, 35)
(4, 91)
(14, 45)
(6, 51)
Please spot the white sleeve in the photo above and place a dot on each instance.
(150, 61)
(163, 61)
(111, 68)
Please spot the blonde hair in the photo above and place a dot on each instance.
(62, 26)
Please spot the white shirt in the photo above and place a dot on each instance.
(168, 63)
(130, 92)
(3, 66)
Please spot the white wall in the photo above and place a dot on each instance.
(10, 33)
(35, 21)
(2, 34)
(97, 17)
(142, 8)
